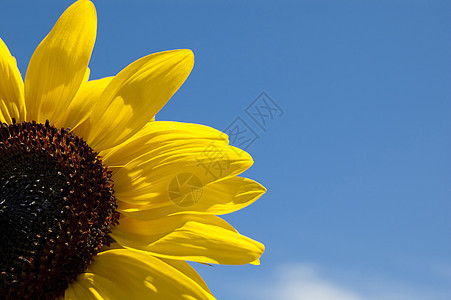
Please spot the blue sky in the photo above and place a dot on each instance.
(358, 166)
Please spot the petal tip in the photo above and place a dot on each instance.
(187, 56)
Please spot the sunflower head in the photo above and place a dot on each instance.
(64, 140)
(56, 208)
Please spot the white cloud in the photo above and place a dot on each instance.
(303, 281)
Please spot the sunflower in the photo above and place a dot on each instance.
(97, 199)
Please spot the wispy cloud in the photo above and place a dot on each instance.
(302, 281)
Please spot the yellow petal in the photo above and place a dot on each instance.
(180, 265)
(125, 274)
(135, 95)
(12, 104)
(206, 239)
(150, 177)
(87, 74)
(92, 286)
(169, 150)
(217, 198)
(81, 106)
(186, 269)
(60, 63)
(158, 133)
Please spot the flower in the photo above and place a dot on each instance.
(98, 200)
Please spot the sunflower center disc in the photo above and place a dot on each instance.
(56, 209)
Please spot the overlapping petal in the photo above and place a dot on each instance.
(12, 103)
(217, 198)
(135, 95)
(147, 178)
(206, 239)
(60, 62)
(93, 286)
(125, 274)
(159, 133)
(81, 106)
(168, 149)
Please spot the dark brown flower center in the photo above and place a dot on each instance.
(56, 209)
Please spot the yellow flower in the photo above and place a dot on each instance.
(99, 201)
